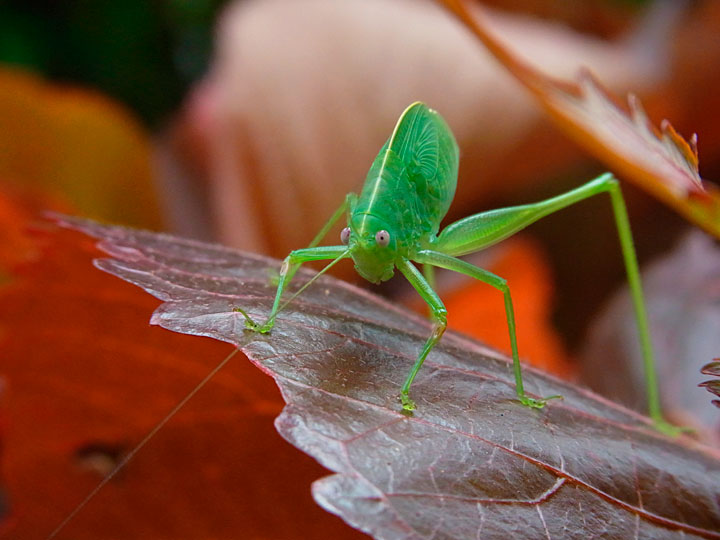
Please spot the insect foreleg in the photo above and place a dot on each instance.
(293, 261)
(437, 312)
(451, 263)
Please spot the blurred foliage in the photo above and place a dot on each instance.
(75, 146)
(144, 53)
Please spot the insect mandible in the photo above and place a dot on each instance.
(395, 221)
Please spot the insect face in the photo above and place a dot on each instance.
(372, 248)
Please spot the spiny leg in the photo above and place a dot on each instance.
(437, 312)
(451, 263)
(291, 263)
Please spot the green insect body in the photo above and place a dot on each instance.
(407, 193)
(396, 219)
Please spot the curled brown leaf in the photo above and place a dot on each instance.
(659, 161)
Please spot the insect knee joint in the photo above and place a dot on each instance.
(291, 259)
(440, 317)
(609, 181)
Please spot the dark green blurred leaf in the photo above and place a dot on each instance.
(143, 53)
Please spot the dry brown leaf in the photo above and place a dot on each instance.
(713, 385)
(659, 161)
(470, 462)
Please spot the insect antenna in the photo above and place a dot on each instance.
(140, 445)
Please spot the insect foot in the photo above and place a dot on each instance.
(666, 428)
(536, 403)
(407, 403)
(251, 324)
(265, 328)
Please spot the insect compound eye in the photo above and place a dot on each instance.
(382, 238)
(345, 235)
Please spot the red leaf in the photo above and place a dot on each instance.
(471, 462)
(87, 378)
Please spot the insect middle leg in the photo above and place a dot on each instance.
(458, 265)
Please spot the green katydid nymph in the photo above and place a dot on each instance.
(395, 222)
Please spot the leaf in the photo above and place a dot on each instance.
(471, 462)
(659, 161)
(86, 378)
(17, 210)
(713, 385)
(75, 144)
(713, 368)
